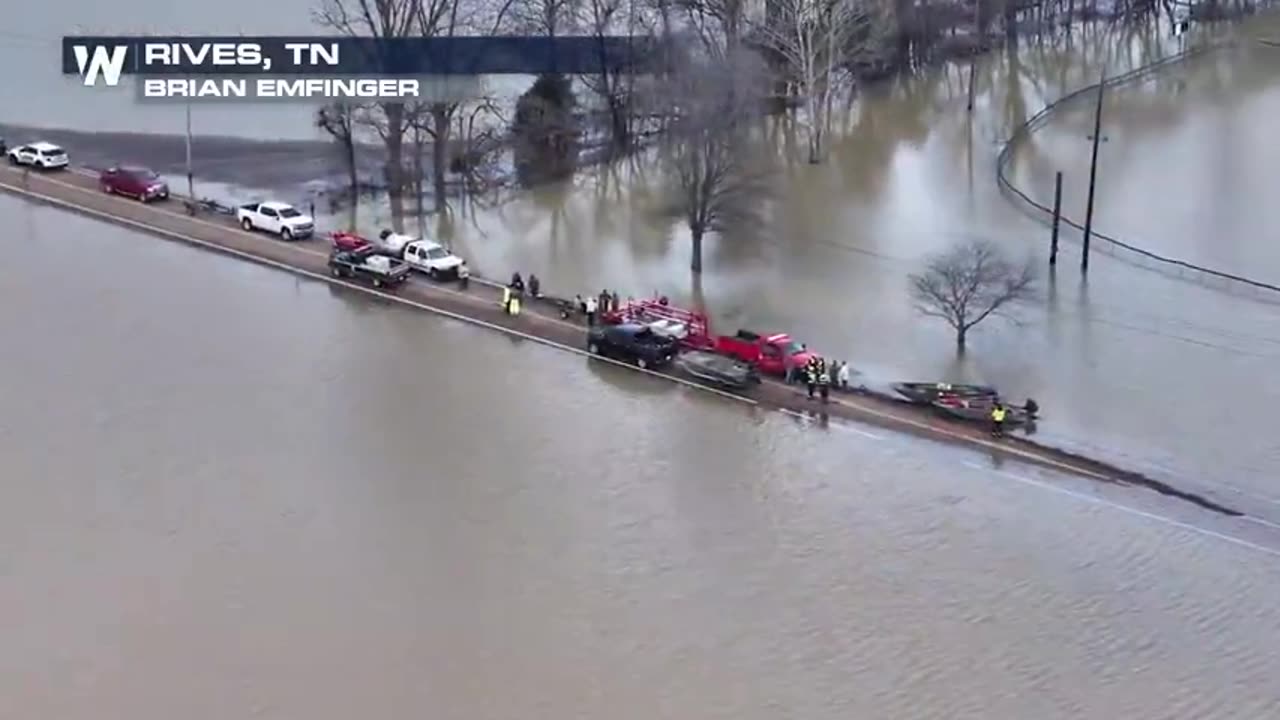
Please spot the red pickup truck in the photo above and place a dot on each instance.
(766, 352)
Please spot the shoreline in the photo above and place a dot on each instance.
(77, 191)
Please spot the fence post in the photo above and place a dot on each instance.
(1093, 173)
(1057, 217)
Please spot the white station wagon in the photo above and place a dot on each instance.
(43, 155)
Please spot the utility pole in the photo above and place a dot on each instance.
(191, 183)
(1057, 217)
(1093, 173)
(973, 59)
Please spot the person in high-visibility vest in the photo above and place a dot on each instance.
(997, 419)
(514, 306)
(506, 299)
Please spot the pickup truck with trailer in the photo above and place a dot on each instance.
(631, 343)
(692, 331)
(276, 218)
(766, 352)
(433, 259)
(365, 264)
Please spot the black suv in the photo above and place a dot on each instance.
(633, 343)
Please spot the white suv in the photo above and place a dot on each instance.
(43, 155)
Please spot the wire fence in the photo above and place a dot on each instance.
(1107, 244)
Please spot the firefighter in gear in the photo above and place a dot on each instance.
(824, 380)
(506, 299)
(811, 375)
(997, 420)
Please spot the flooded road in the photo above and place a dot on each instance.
(230, 493)
(1153, 372)
(1157, 373)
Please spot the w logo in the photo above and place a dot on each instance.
(104, 61)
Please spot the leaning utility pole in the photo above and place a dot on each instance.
(1093, 173)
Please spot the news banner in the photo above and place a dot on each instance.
(336, 68)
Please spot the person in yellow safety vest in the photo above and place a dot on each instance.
(506, 299)
(997, 419)
(514, 306)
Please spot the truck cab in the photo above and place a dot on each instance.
(434, 260)
(276, 218)
(769, 353)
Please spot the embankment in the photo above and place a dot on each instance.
(479, 305)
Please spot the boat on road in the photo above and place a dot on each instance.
(978, 409)
(921, 393)
(718, 370)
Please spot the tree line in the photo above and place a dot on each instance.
(725, 64)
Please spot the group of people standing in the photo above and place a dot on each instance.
(594, 306)
(819, 376)
(513, 294)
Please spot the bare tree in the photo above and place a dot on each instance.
(338, 120)
(381, 20)
(719, 23)
(717, 183)
(544, 17)
(816, 43)
(612, 85)
(435, 119)
(969, 283)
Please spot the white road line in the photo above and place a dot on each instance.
(1260, 521)
(120, 220)
(1132, 511)
(859, 431)
(841, 425)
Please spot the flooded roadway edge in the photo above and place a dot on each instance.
(1030, 452)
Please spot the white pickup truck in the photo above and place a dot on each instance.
(276, 218)
(434, 260)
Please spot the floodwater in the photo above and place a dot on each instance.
(1158, 373)
(1155, 372)
(230, 493)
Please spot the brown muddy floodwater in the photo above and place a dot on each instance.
(1157, 373)
(228, 493)
(1153, 372)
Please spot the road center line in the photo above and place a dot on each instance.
(1130, 510)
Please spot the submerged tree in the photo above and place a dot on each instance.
(545, 131)
(816, 44)
(381, 20)
(718, 181)
(969, 283)
(338, 121)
